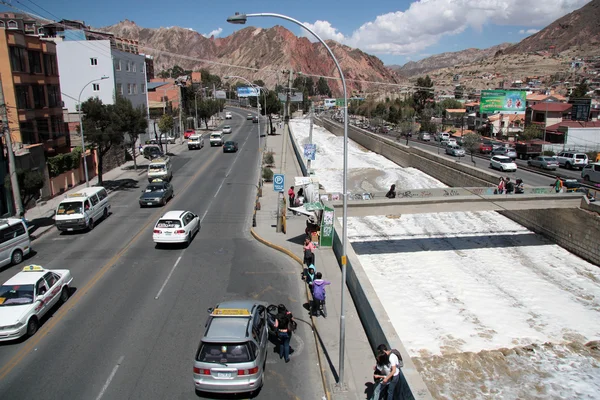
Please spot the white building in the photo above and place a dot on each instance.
(82, 61)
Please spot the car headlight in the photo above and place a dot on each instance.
(81, 220)
(11, 327)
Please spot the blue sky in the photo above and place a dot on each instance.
(395, 31)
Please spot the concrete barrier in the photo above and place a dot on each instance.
(298, 153)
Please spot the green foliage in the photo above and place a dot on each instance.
(423, 94)
(470, 142)
(549, 153)
(380, 110)
(62, 163)
(323, 87)
(581, 89)
(174, 72)
(208, 79)
(531, 132)
(209, 107)
(268, 158)
(166, 123)
(30, 184)
(429, 126)
(393, 115)
(267, 174)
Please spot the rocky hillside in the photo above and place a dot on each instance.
(449, 59)
(580, 29)
(268, 50)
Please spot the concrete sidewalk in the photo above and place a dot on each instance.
(359, 359)
(41, 217)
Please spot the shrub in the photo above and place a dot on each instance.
(267, 174)
(549, 153)
(268, 158)
(64, 162)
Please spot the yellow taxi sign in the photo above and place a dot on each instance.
(76, 195)
(230, 312)
(156, 180)
(158, 160)
(33, 268)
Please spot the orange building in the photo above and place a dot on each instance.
(29, 74)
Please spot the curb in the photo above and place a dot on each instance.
(308, 297)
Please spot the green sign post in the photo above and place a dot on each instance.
(327, 231)
(339, 102)
(502, 101)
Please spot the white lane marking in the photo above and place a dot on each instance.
(220, 186)
(169, 276)
(205, 212)
(110, 378)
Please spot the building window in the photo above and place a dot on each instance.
(93, 61)
(22, 94)
(56, 121)
(120, 88)
(43, 129)
(134, 66)
(39, 97)
(50, 66)
(142, 68)
(135, 88)
(29, 28)
(53, 96)
(17, 59)
(143, 88)
(117, 64)
(27, 132)
(2, 25)
(35, 62)
(96, 87)
(129, 89)
(12, 25)
(128, 68)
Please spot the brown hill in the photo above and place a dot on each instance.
(449, 59)
(581, 28)
(268, 50)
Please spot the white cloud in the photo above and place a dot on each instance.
(425, 22)
(215, 33)
(528, 31)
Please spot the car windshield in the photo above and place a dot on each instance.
(168, 223)
(156, 167)
(225, 353)
(229, 143)
(155, 188)
(14, 295)
(71, 207)
(226, 127)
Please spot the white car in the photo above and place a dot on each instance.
(503, 163)
(226, 129)
(27, 296)
(228, 115)
(176, 227)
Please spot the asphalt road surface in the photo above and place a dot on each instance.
(133, 324)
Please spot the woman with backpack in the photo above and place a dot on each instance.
(382, 369)
(285, 325)
(309, 255)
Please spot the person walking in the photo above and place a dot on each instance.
(501, 186)
(393, 377)
(309, 278)
(309, 252)
(318, 304)
(284, 325)
(558, 185)
(391, 194)
(291, 196)
(510, 187)
(381, 370)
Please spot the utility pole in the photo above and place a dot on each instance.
(180, 113)
(310, 131)
(286, 130)
(14, 182)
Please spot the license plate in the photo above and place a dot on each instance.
(150, 204)
(168, 233)
(223, 375)
(69, 229)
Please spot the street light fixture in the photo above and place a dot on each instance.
(87, 181)
(241, 19)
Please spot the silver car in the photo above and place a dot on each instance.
(544, 162)
(505, 151)
(455, 150)
(232, 354)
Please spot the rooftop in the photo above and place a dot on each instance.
(574, 124)
(552, 107)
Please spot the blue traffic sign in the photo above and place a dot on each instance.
(279, 183)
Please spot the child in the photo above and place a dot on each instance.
(309, 277)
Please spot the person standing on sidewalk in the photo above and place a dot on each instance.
(319, 295)
(284, 324)
(291, 196)
(393, 377)
(382, 369)
(309, 252)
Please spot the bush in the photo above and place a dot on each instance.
(64, 162)
(268, 158)
(549, 153)
(267, 174)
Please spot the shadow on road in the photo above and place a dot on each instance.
(120, 184)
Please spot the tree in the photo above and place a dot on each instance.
(30, 184)
(129, 120)
(273, 106)
(470, 142)
(99, 128)
(177, 71)
(393, 115)
(531, 132)
(209, 107)
(323, 87)
(423, 94)
(165, 124)
(581, 89)
(259, 82)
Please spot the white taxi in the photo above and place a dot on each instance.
(27, 296)
(176, 227)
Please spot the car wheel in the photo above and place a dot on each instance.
(17, 257)
(32, 326)
(188, 240)
(568, 166)
(64, 295)
(91, 224)
(586, 178)
(529, 163)
(105, 213)
(491, 166)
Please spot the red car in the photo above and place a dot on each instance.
(485, 148)
(188, 133)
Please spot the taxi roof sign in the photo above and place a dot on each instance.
(76, 195)
(33, 268)
(230, 312)
(156, 180)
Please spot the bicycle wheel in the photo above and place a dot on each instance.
(324, 310)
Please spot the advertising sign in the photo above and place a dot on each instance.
(581, 108)
(339, 102)
(278, 182)
(245, 91)
(309, 151)
(327, 231)
(296, 97)
(220, 94)
(502, 101)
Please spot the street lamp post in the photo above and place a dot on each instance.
(241, 19)
(87, 181)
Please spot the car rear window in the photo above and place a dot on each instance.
(228, 353)
(168, 223)
(581, 156)
(505, 160)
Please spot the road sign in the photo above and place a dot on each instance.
(309, 151)
(278, 182)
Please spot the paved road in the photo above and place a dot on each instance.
(132, 326)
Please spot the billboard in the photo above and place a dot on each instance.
(220, 94)
(245, 91)
(503, 101)
(296, 97)
(581, 108)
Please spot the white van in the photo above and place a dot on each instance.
(14, 241)
(81, 210)
(160, 168)
(195, 141)
(591, 172)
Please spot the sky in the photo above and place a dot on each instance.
(396, 31)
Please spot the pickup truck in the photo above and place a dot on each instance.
(216, 139)
(526, 151)
(485, 148)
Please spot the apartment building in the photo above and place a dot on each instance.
(30, 81)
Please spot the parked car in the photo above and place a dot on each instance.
(591, 172)
(570, 160)
(425, 136)
(544, 162)
(151, 152)
(455, 150)
(505, 151)
(485, 148)
(188, 133)
(167, 139)
(503, 163)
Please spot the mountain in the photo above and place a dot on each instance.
(269, 50)
(449, 59)
(581, 28)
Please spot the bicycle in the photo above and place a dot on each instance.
(319, 307)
